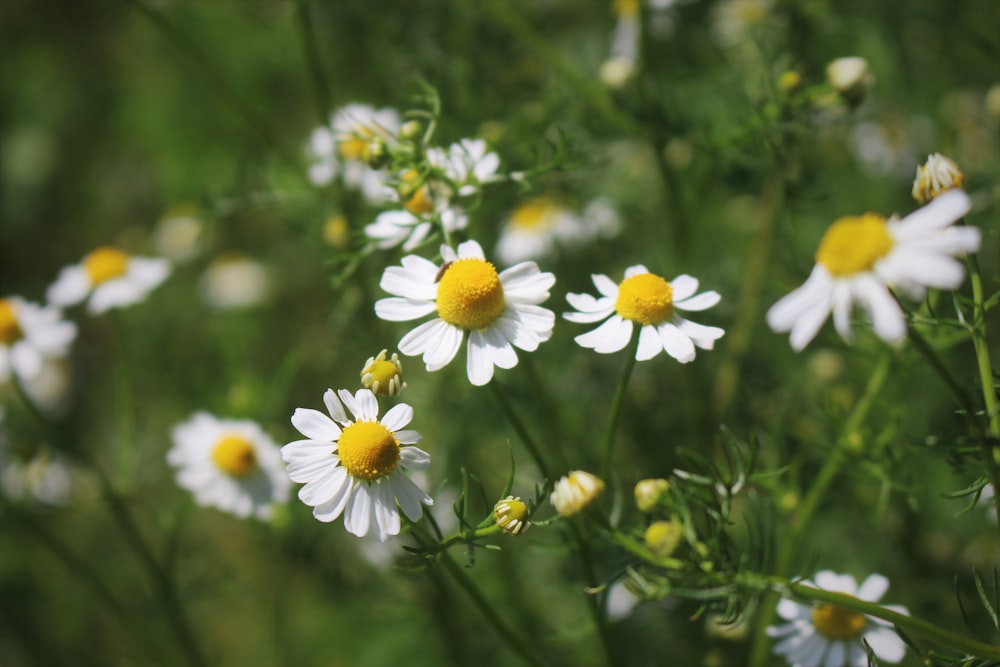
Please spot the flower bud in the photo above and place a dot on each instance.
(376, 153)
(662, 537)
(851, 78)
(575, 491)
(939, 174)
(648, 493)
(384, 377)
(511, 514)
(412, 130)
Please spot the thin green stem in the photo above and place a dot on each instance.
(496, 622)
(934, 359)
(990, 445)
(916, 626)
(123, 402)
(616, 408)
(320, 88)
(519, 427)
(817, 491)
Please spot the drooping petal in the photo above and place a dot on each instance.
(358, 514)
(414, 458)
(650, 344)
(479, 360)
(612, 336)
(676, 343)
(885, 314)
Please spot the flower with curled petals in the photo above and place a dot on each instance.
(498, 311)
(861, 257)
(648, 300)
(830, 636)
(354, 465)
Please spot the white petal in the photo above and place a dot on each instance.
(886, 315)
(408, 436)
(650, 344)
(323, 490)
(841, 301)
(470, 249)
(436, 340)
(114, 294)
(835, 656)
(398, 309)
(347, 398)
(70, 287)
(479, 361)
(873, 588)
(358, 514)
(397, 417)
(414, 458)
(386, 517)
(676, 343)
(702, 301)
(941, 212)
(683, 286)
(886, 644)
(334, 507)
(334, 406)
(810, 322)
(605, 285)
(635, 270)
(701, 335)
(148, 272)
(315, 425)
(783, 315)
(26, 361)
(924, 268)
(408, 495)
(611, 336)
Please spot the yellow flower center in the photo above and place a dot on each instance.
(105, 264)
(382, 372)
(235, 456)
(368, 450)
(470, 294)
(838, 623)
(625, 7)
(532, 215)
(511, 514)
(10, 330)
(419, 203)
(852, 245)
(646, 299)
(354, 145)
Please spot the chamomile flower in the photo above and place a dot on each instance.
(467, 164)
(537, 226)
(234, 280)
(861, 257)
(648, 300)
(939, 174)
(31, 335)
(831, 636)
(498, 311)
(575, 491)
(231, 465)
(383, 376)
(355, 466)
(110, 277)
(418, 211)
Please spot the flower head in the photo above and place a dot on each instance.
(647, 300)
(662, 537)
(30, 335)
(648, 493)
(383, 376)
(850, 77)
(498, 311)
(939, 174)
(234, 280)
(354, 465)
(467, 164)
(575, 491)
(832, 636)
(861, 257)
(110, 277)
(537, 226)
(231, 465)
(511, 514)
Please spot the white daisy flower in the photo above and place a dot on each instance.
(574, 491)
(648, 300)
(37, 472)
(234, 280)
(830, 636)
(355, 467)
(110, 277)
(30, 335)
(537, 226)
(939, 174)
(413, 223)
(231, 465)
(498, 311)
(467, 164)
(860, 258)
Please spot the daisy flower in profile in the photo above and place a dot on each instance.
(498, 311)
(110, 277)
(861, 257)
(648, 300)
(831, 636)
(30, 335)
(231, 465)
(939, 174)
(354, 465)
(575, 491)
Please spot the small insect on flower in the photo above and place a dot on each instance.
(511, 514)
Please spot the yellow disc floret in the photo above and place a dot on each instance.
(852, 245)
(352, 145)
(416, 202)
(368, 450)
(645, 298)
(511, 514)
(383, 376)
(235, 456)
(838, 623)
(470, 294)
(105, 264)
(533, 215)
(10, 330)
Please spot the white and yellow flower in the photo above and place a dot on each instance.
(354, 465)
(536, 227)
(498, 311)
(939, 174)
(412, 223)
(231, 465)
(647, 300)
(575, 491)
(467, 164)
(384, 376)
(234, 280)
(110, 277)
(31, 335)
(831, 636)
(861, 258)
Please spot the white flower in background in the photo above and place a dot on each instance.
(621, 601)
(939, 174)
(986, 499)
(860, 258)
(233, 280)
(851, 77)
(651, 302)
(889, 146)
(342, 149)
(498, 311)
(575, 491)
(623, 57)
(831, 636)
(36, 472)
(468, 164)
(30, 335)
(537, 226)
(354, 465)
(49, 389)
(410, 225)
(229, 464)
(110, 277)
(178, 235)
(733, 19)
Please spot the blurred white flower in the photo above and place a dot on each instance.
(575, 491)
(468, 164)
(40, 473)
(30, 335)
(110, 277)
(233, 280)
(178, 235)
(733, 19)
(536, 227)
(231, 465)
(939, 174)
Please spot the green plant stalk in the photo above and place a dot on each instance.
(616, 407)
(509, 636)
(125, 444)
(820, 485)
(990, 445)
(917, 626)
(519, 427)
(321, 91)
(932, 357)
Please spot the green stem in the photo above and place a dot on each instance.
(125, 445)
(519, 427)
(321, 90)
(967, 646)
(932, 357)
(468, 586)
(817, 491)
(616, 408)
(990, 445)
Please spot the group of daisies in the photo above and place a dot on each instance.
(354, 464)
